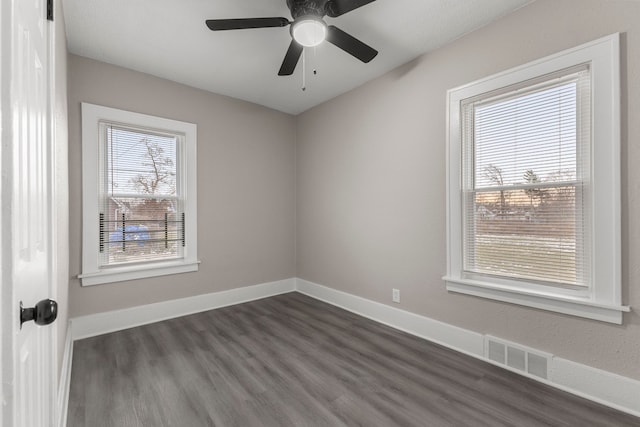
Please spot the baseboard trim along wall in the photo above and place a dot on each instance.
(65, 379)
(117, 320)
(600, 386)
(604, 387)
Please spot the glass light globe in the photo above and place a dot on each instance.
(309, 32)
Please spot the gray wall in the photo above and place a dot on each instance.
(246, 166)
(61, 185)
(371, 183)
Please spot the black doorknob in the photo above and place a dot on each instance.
(44, 313)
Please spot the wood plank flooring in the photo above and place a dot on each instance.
(290, 360)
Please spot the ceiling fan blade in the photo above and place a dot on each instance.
(291, 59)
(350, 44)
(336, 8)
(243, 23)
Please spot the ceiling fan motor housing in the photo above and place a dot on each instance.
(300, 8)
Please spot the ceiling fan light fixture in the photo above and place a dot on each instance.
(309, 31)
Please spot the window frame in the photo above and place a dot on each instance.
(92, 273)
(603, 300)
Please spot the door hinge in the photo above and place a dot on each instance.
(50, 10)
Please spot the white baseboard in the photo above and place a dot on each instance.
(462, 340)
(601, 386)
(111, 321)
(65, 379)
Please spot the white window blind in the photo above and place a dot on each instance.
(141, 212)
(525, 174)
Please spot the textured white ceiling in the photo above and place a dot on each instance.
(169, 39)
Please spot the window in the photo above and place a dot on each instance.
(526, 163)
(139, 196)
(533, 184)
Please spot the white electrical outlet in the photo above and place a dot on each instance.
(395, 296)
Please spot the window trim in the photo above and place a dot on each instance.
(92, 273)
(603, 302)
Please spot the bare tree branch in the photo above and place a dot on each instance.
(494, 175)
(162, 170)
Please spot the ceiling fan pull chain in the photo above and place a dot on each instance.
(304, 71)
(315, 72)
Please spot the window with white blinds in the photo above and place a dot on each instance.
(141, 211)
(139, 196)
(533, 184)
(526, 157)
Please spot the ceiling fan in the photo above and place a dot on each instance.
(308, 29)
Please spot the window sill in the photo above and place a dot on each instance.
(551, 302)
(120, 274)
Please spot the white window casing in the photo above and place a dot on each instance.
(595, 291)
(97, 266)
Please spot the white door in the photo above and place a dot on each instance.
(27, 214)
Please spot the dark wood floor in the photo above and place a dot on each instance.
(290, 360)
